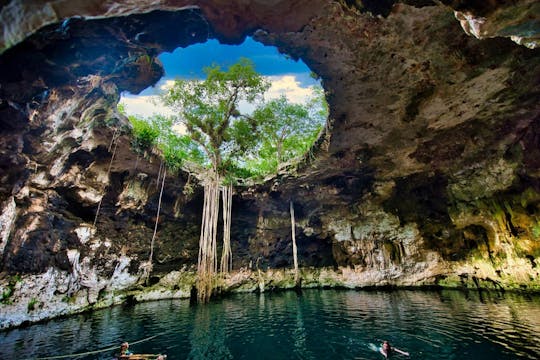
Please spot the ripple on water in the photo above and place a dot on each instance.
(315, 325)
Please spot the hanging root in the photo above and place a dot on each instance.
(150, 258)
(207, 264)
(226, 256)
(144, 270)
(295, 250)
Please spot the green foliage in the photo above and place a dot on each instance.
(536, 230)
(242, 145)
(289, 131)
(121, 108)
(218, 136)
(179, 148)
(233, 171)
(145, 134)
(70, 299)
(8, 291)
(158, 132)
(6, 294)
(209, 110)
(32, 304)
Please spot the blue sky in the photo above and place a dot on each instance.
(288, 77)
(188, 62)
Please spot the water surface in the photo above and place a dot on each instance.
(318, 324)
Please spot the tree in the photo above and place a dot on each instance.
(210, 111)
(236, 144)
(290, 130)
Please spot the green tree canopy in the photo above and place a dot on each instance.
(157, 132)
(209, 110)
(219, 136)
(290, 130)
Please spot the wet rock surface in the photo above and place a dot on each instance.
(428, 174)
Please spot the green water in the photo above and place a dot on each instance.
(318, 324)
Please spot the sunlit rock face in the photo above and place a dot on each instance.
(428, 173)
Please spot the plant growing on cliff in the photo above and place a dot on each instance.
(32, 304)
(157, 133)
(145, 134)
(10, 288)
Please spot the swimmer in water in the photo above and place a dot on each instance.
(387, 350)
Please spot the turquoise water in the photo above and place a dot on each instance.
(318, 324)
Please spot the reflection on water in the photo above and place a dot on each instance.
(208, 335)
(318, 324)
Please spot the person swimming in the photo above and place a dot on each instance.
(387, 350)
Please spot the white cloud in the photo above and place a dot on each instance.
(165, 84)
(147, 105)
(180, 129)
(289, 86)
(144, 105)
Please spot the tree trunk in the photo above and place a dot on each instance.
(226, 256)
(295, 257)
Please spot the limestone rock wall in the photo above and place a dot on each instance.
(515, 19)
(57, 256)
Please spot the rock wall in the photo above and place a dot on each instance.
(428, 173)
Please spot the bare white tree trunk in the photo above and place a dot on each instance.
(295, 257)
(226, 255)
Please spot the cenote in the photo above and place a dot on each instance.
(313, 324)
(422, 173)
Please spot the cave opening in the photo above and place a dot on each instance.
(294, 99)
(140, 54)
(109, 61)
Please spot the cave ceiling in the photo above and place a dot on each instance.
(411, 87)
